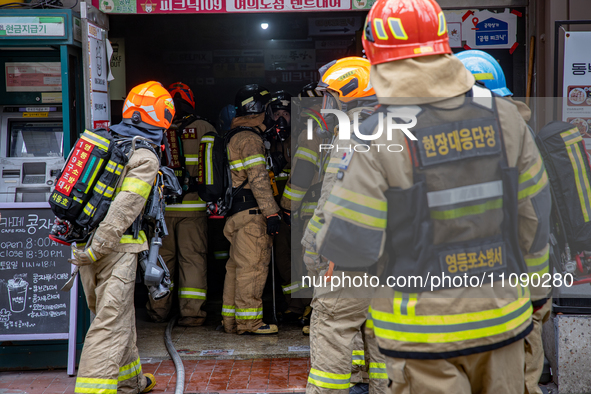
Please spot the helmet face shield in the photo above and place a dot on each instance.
(330, 100)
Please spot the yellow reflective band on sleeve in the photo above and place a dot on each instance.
(357, 207)
(130, 370)
(333, 165)
(137, 186)
(128, 238)
(293, 287)
(309, 208)
(329, 380)
(96, 386)
(307, 154)
(358, 357)
(452, 328)
(581, 179)
(292, 194)
(96, 139)
(190, 292)
(378, 371)
(91, 254)
(94, 174)
(538, 265)
(249, 313)
(192, 159)
(254, 160)
(228, 310)
(236, 165)
(532, 180)
(188, 206)
(314, 225)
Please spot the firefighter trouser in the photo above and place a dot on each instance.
(185, 247)
(290, 284)
(358, 362)
(493, 372)
(338, 316)
(110, 362)
(246, 271)
(534, 351)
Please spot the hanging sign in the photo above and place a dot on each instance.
(576, 105)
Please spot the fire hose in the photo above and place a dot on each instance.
(178, 363)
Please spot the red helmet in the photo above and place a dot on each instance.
(182, 91)
(401, 29)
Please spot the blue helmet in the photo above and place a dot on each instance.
(486, 69)
(226, 115)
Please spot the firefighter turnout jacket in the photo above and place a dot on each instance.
(471, 202)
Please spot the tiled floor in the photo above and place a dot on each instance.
(278, 375)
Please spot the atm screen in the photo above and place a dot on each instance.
(35, 139)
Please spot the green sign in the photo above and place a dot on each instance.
(32, 26)
(362, 4)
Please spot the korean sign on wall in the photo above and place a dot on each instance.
(576, 105)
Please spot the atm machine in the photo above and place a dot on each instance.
(41, 99)
(31, 152)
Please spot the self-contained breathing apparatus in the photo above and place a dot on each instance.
(95, 166)
(177, 161)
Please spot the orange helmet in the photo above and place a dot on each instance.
(183, 91)
(149, 105)
(401, 29)
(349, 77)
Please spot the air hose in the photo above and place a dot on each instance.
(178, 363)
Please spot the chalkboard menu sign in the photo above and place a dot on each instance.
(33, 269)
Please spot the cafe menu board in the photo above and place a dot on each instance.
(33, 269)
(576, 103)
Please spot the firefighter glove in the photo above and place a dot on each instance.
(84, 256)
(273, 223)
(287, 217)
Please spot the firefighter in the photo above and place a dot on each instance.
(342, 310)
(225, 118)
(439, 210)
(110, 361)
(298, 305)
(486, 69)
(253, 218)
(280, 149)
(489, 72)
(184, 250)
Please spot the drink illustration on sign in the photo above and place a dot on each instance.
(17, 294)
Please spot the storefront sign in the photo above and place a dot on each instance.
(33, 77)
(32, 26)
(97, 59)
(290, 59)
(334, 26)
(576, 105)
(117, 90)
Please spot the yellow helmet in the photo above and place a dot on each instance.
(349, 77)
